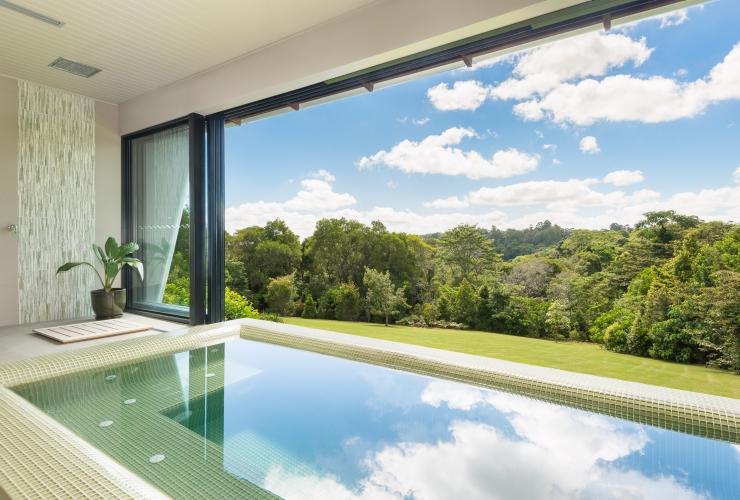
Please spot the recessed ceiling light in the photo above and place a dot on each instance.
(31, 13)
(73, 67)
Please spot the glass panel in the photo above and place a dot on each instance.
(161, 219)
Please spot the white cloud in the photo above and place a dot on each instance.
(437, 154)
(554, 452)
(421, 121)
(592, 54)
(552, 147)
(537, 192)
(323, 174)
(464, 95)
(736, 175)
(555, 161)
(626, 98)
(445, 203)
(624, 177)
(302, 218)
(675, 18)
(391, 184)
(589, 145)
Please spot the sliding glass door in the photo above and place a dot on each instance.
(164, 179)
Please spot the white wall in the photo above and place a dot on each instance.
(107, 188)
(381, 32)
(8, 201)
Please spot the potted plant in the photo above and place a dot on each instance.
(109, 302)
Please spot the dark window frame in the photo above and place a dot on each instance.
(588, 14)
(196, 313)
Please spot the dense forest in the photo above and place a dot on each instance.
(669, 288)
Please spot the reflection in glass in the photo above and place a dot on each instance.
(160, 189)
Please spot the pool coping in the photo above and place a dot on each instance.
(35, 450)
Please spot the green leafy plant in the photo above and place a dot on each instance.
(112, 258)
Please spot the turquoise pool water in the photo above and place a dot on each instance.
(248, 419)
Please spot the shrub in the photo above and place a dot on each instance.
(557, 321)
(309, 307)
(347, 303)
(280, 295)
(237, 306)
(327, 304)
(672, 341)
(177, 292)
(616, 335)
(466, 304)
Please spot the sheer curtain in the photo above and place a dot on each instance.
(160, 192)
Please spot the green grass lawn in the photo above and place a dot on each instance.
(574, 356)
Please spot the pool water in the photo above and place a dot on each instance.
(245, 419)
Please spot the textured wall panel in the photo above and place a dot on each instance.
(56, 194)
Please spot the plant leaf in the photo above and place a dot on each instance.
(69, 265)
(100, 254)
(111, 247)
(136, 264)
(111, 270)
(128, 249)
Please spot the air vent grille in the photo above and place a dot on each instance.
(73, 67)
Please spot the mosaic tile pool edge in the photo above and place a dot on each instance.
(699, 419)
(40, 458)
(29, 467)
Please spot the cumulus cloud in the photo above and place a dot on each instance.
(537, 192)
(736, 175)
(445, 203)
(589, 145)
(624, 177)
(551, 147)
(626, 98)
(463, 95)
(317, 199)
(541, 69)
(554, 451)
(675, 18)
(438, 154)
(324, 174)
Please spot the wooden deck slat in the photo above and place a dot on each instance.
(91, 330)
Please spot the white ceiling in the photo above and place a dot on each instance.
(142, 45)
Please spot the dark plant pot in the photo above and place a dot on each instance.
(108, 304)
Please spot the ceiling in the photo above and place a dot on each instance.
(141, 45)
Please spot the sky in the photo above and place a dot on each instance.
(593, 129)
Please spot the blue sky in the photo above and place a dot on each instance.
(585, 131)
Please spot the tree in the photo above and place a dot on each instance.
(514, 242)
(468, 252)
(280, 295)
(264, 253)
(533, 275)
(309, 307)
(557, 322)
(466, 304)
(381, 297)
(347, 304)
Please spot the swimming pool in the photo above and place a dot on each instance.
(247, 419)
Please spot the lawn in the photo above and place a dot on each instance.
(574, 356)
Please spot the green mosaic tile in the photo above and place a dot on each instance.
(40, 458)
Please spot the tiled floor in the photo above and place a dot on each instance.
(19, 341)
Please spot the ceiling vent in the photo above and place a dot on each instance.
(75, 68)
(31, 13)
